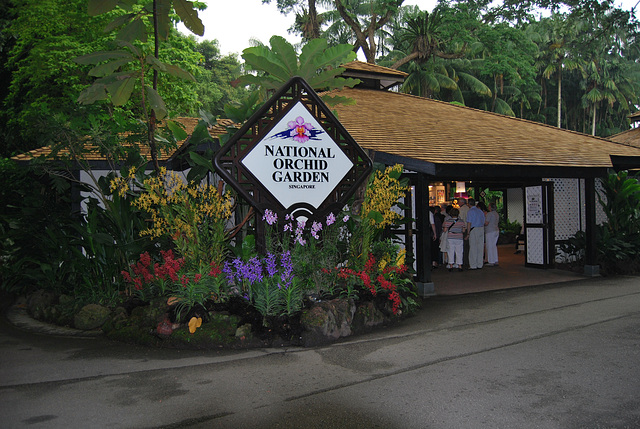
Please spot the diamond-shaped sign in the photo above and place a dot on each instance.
(294, 157)
(297, 160)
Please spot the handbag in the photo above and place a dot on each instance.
(444, 242)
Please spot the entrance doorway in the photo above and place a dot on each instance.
(511, 273)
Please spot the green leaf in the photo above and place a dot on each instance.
(201, 161)
(334, 56)
(100, 56)
(310, 51)
(117, 22)
(394, 174)
(156, 102)
(376, 216)
(266, 82)
(285, 52)
(108, 68)
(97, 7)
(189, 15)
(266, 64)
(178, 132)
(178, 72)
(164, 21)
(135, 30)
(90, 95)
(121, 90)
(155, 63)
(200, 134)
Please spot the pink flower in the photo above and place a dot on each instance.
(300, 130)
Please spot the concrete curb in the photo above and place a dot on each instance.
(18, 317)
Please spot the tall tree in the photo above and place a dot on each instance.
(364, 29)
(308, 20)
(119, 85)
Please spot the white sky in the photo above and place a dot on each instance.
(234, 22)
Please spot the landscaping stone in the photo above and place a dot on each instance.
(244, 332)
(367, 316)
(327, 321)
(39, 302)
(91, 316)
(148, 316)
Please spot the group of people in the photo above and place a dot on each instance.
(465, 236)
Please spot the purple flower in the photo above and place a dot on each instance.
(300, 130)
(287, 265)
(345, 218)
(299, 231)
(315, 228)
(331, 218)
(270, 263)
(228, 271)
(254, 270)
(270, 217)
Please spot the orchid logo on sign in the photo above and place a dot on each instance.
(297, 161)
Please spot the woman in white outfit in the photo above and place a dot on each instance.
(492, 232)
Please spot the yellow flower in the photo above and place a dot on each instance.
(381, 195)
(400, 259)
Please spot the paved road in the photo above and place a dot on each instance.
(557, 356)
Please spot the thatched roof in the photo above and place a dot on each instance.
(629, 137)
(442, 133)
(94, 155)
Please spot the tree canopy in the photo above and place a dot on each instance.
(572, 63)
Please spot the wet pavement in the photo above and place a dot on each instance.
(561, 355)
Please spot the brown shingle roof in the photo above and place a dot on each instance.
(629, 137)
(372, 68)
(188, 123)
(443, 133)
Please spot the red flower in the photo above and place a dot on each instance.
(197, 278)
(371, 263)
(145, 259)
(215, 270)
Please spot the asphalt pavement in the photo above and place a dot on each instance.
(562, 355)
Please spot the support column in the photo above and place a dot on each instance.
(423, 237)
(591, 267)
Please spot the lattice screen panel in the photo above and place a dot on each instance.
(568, 206)
(535, 246)
(600, 216)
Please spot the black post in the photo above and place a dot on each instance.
(423, 236)
(591, 267)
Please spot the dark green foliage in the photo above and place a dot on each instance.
(618, 239)
(62, 251)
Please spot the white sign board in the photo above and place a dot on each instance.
(297, 161)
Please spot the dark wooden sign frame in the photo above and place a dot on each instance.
(228, 160)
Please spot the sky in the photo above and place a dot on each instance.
(234, 23)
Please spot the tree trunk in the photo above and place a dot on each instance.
(313, 20)
(404, 60)
(151, 126)
(593, 123)
(560, 96)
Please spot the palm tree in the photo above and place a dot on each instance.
(556, 53)
(423, 40)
